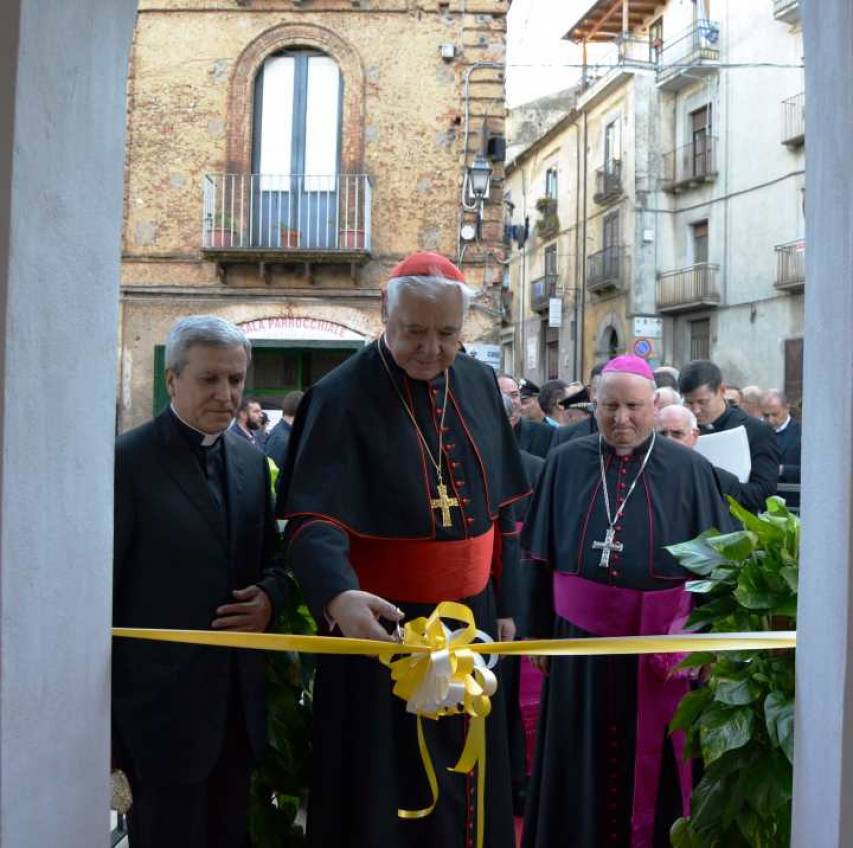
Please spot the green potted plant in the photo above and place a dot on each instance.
(280, 781)
(741, 720)
(221, 232)
(548, 224)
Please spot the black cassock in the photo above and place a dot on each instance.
(358, 479)
(582, 789)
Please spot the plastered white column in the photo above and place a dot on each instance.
(63, 68)
(823, 780)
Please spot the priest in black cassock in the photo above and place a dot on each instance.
(401, 472)
(606, 773)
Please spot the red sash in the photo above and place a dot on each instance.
(423, 571)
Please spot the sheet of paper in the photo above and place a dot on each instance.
(728, 449)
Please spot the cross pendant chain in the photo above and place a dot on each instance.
(444, 503)
(607, 547)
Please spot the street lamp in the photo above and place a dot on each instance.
(479, 177)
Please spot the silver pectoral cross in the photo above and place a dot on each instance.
(606, 547)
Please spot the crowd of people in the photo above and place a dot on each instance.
(408, 476)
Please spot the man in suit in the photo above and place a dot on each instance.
(704, 393)
(776, 411)
(532, 436)
(195, 548)
(247, 424)
(276, 446)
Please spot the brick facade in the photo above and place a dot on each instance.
(404, 121)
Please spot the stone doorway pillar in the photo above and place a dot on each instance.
(63, 72)
(823, 778)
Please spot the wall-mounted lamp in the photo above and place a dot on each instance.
(479, 178)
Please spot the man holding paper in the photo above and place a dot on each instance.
(701, 384)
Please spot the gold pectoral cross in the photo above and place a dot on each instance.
(444, 503)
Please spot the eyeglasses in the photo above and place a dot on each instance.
(673, 434)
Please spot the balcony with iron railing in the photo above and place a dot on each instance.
(608, 182)
(791, 266)
(689, 166)
(685, 289)
(610, 65)
(787, 11)
(688, 57)
(287, 218)
(607, 270)
(541, 291)
(794, 120)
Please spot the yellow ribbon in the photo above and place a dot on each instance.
(442, 676)
(441, 672)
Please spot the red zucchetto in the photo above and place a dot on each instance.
(426, 264)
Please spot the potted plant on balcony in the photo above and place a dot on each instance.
(548, 224)
(351, 238)
(220, 229)
(289, 238)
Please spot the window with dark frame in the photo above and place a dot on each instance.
(656, 41)
(700, 140)
(700, 241)
(700, 339)
(551, 183)
(551, 263)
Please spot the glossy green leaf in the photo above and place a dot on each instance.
(690, 708)
(724, 728)
(697, 555)
(736, 546)
(779, 717)
(737, 692)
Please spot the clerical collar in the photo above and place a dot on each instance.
(203, 439)
(637, 452)
(719, 420)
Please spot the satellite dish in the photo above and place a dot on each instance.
(468, 232)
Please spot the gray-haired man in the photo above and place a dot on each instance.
(194, 549)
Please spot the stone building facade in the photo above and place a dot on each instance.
(681, 219)
(283, 155)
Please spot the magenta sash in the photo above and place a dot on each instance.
(614, 611)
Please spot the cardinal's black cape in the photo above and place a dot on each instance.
(355, 467)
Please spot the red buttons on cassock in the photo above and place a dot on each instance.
(469, 520)
(458, 482)
(439, 410)
(466, 501)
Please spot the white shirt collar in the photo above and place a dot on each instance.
(207, 439)
(787, 422)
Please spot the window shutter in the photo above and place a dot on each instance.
(161, 396)
(321, 123)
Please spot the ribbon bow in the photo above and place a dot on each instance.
(437, 674)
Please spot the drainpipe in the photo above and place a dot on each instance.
(578, 374)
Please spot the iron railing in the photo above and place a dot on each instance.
(791, 264)
(608, 181)
(698, 43)
(626, 51)
(688, 288)
(607, 269)
(690, 164)
(794, 119)
(286, 212)
(542, 290)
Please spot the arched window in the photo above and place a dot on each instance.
(611, 341)
(296, 150)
